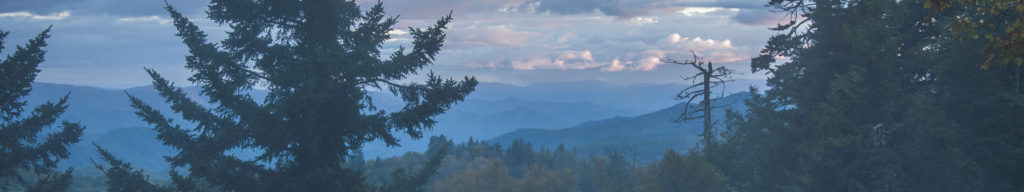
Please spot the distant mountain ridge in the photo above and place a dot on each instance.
(110, 120)
(645, 97)
(646, 136)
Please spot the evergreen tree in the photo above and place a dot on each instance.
(875, 97)
(691, 172)
(519, 157)
(543, 180)
(413, 182)
(494, 177)
(20, 147)
(122, 177)
(998, 22)
(318, 59)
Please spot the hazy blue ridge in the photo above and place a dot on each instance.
(110, 121)
(646, 136)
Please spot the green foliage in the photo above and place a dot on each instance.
(542, 179)
(875, 97)
(403, 181)
(558, 170)
(122, 177)
(53, 182)
(494, 177)
(20, 148)
(691, 172)
(519, 156)
(317, 58)
(999, 22)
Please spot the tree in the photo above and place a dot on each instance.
(842, 96)
(540, 179)
(412, 182)
(707, 77)
(122, 177)
(875, 96)
(519, 156)
(691, 172)
(318, 59)
(20, 149)
(494, 177)
(1000, 22)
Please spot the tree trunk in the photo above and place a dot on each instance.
(707, 105)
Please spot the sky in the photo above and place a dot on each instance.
(108, 43)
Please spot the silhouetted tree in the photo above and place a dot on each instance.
(20, 147)
(541, 180)
(999, 22)
(519, 156)
(877, 96)
(707, 77)
(317, 58)
(494, 177)
(121, 176)
(412, 182)
(691, 172)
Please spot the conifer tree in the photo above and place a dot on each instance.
(20, 147)
(875, 95)
(318, 59)
(122, 177)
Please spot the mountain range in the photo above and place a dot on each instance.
(492, 110)
(645, 137)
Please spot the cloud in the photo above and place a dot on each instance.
(566, 37)
(762, 17)
(25, 14)
(616, 8)
(566, 60)
(530, 64)
(701, 11)
(675, 40)
(648, 63)
(434, 9)
(104, 7)
(500, 35)
(503, 39)
(153, 18)
(742, 4)
(398, 32)
(643, 20)
(616, 65)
